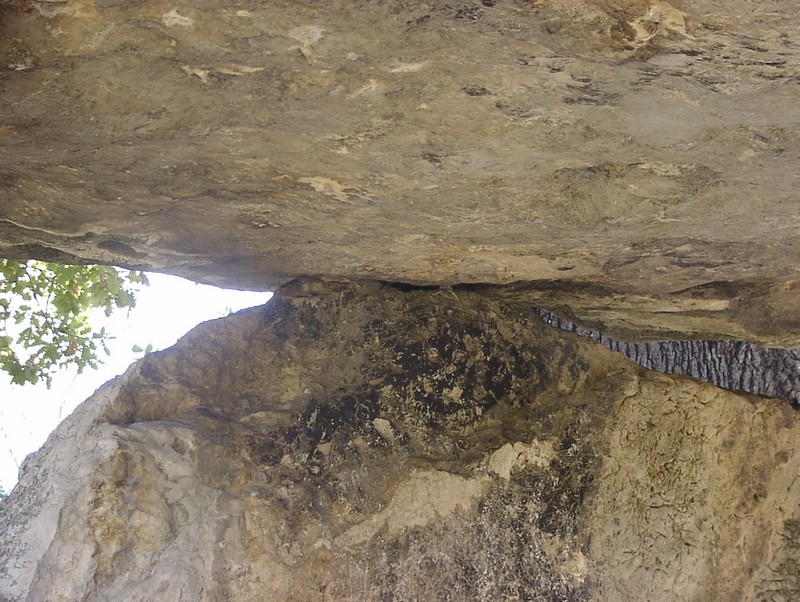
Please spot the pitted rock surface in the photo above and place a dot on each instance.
(369, 442)
(639, 155)
(630, 165)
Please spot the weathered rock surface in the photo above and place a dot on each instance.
(630, 165)
(635, 158)
(367, 442)
(734, 365)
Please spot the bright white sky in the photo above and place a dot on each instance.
(164, 312)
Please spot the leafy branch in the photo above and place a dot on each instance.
(44, 315)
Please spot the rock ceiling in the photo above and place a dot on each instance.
(631, 163)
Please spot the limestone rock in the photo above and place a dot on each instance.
(636, 158)
(368, 442)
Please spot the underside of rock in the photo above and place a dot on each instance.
(370, 442)
(635, 159)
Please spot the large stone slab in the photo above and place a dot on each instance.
(645, 149)
(366, 442)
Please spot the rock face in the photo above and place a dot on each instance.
(371, 442)
(398, 424)
(636, 159)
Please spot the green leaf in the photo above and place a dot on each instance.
(143, 350)
(44, 315)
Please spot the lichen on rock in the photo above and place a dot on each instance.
(355, 441)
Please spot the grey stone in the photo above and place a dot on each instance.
(629, 165)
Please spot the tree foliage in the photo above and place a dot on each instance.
(44, 315)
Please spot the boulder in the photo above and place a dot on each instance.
(422, 181)
(365, 442)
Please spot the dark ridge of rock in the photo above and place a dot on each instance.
(734, 365)
(365, 442)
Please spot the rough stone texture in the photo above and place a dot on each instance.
(735, 365)
(635, 158)
(368, 442)
(628, 164)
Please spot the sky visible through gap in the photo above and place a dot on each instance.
(164, 312)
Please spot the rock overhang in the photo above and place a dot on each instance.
(616, 157)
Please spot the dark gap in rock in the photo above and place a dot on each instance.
(729, 364)
(407, 288)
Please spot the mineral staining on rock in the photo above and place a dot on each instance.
(364, 441)
(610, 161)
